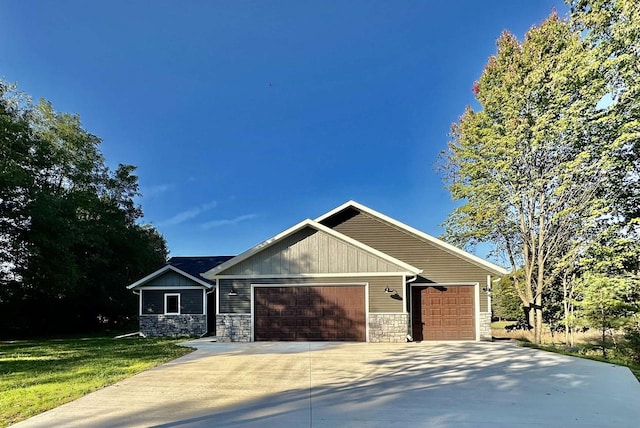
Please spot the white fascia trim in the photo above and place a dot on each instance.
(172, 287)
(497, 270)
(164, 269)
(211, 274)
(312, 275)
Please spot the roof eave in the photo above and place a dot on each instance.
(157, 273)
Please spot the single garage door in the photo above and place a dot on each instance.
(310, 313)
(443, 312)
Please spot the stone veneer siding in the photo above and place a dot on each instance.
(388, 327)
(485, 326)
(173, 325)
(233, 328)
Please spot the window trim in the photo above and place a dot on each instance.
(166, 296)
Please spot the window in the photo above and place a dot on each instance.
(172, 303)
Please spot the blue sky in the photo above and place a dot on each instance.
(246, 117)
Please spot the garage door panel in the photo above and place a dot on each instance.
(443, 313)
(314, 312)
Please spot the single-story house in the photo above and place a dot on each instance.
(352, 274)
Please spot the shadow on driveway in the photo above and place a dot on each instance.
(461, 384)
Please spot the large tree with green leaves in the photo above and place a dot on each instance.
(70, 238)
(530, 165)
(611, 28)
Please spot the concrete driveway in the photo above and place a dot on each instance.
(461, 384)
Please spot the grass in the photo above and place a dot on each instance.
(587, 345)
(38, 375)
(635, 368)
(501, 324)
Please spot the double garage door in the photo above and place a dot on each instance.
(310, 313)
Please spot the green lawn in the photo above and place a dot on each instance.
(38, 375)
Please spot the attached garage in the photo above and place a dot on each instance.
(443, 312)
(290, 313)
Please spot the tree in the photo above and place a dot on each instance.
(612, 30)
(529, 167)
(70, 234)
(608, 303)
(505, 303)
(16, 163)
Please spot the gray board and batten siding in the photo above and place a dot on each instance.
(191, 300)
(438, 264)
(310, 251)
(171, 279)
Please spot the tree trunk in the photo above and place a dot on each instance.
(529, 314)
(538, 329)
(571, 336)
(604, 335)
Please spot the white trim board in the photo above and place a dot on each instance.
(313, 275)
(164, 269)
(166, 296)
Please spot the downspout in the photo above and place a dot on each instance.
(207, 303)
(407, 282)
(137, 293)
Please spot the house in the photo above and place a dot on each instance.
(352, 274)
(175, 300)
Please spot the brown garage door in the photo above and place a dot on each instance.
(443, 312)
(310, 313)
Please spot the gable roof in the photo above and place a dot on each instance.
(164, 269)
(189, 267)
(195, 265)
(497, 270)
(210, 274)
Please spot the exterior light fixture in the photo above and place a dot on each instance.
(389, 290)
(232, 291)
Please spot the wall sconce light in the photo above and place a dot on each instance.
(394, 293)
(232, 291)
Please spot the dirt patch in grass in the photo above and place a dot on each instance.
(38, 375)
